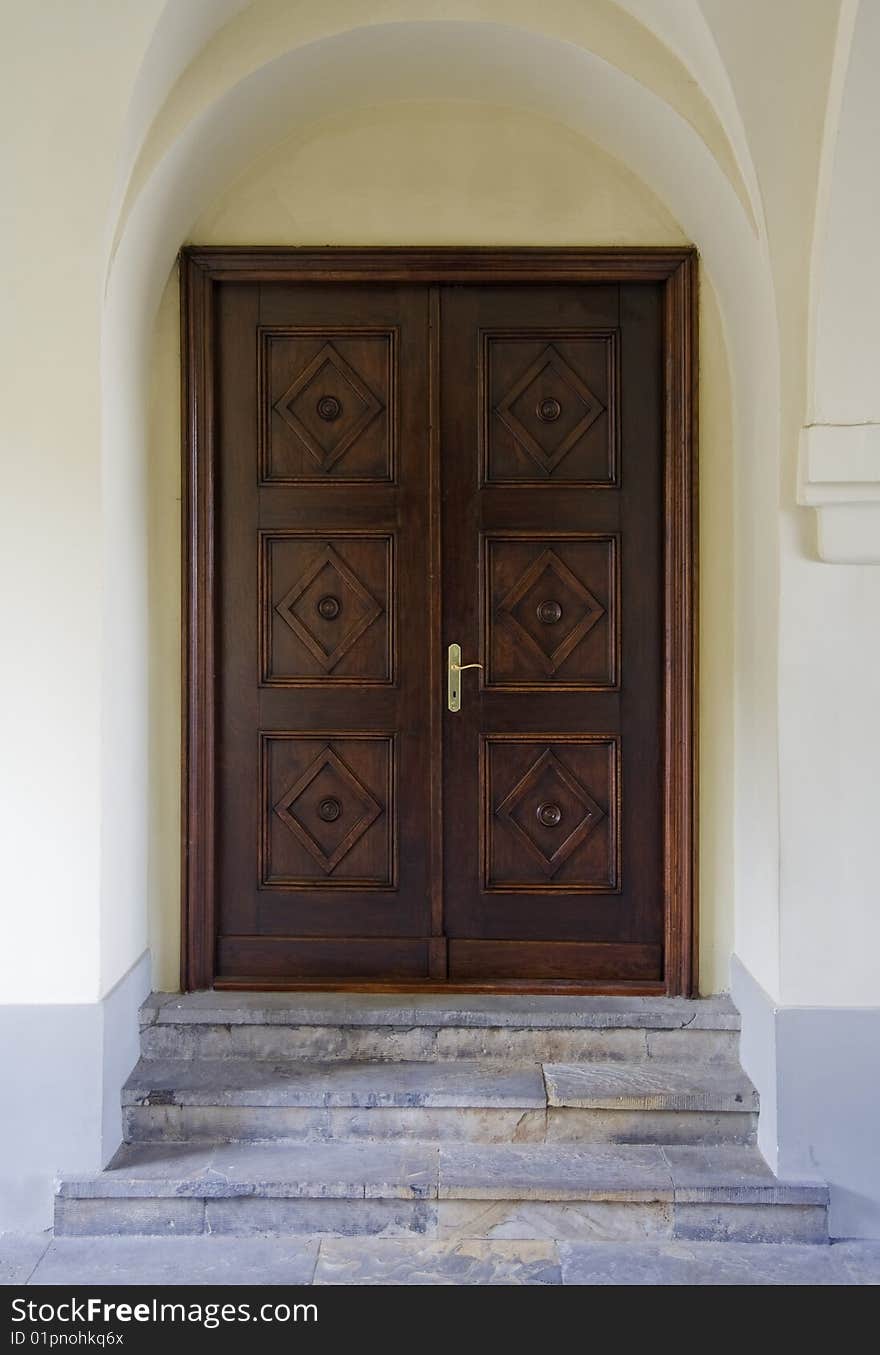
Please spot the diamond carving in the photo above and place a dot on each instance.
(549, 409)
(550, 610)
(328, 407)
(328, 809)
(550, 812)
(328, 608)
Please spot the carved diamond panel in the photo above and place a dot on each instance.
(550, 407)
(328, 405)
(327, 810)
(551, 611)
(551, 813)
(325, 608)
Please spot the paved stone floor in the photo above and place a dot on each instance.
(42, 1259)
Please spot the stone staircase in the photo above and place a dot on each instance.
(445, 1117)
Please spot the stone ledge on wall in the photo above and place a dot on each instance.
(839, 476)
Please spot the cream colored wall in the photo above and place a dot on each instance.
(443, 173)
(60, 92)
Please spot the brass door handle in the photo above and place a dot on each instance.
(454, 666)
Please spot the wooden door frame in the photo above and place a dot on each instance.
(201, 270)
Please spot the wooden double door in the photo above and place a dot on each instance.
(398, 467)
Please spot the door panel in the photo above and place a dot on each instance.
(549, 405)
(329, 406)
(322, 566)
(543, 830)
(398, 467)
(552, 611)
(327, 608)
(552, 518)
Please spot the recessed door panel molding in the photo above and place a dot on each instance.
(560, 844)
(328, 404)
(551, 813)
(551, 611)
(326, 608)
(549, 406)
(328, 811)
(440, 619)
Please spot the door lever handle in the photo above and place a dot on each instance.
(454, 666)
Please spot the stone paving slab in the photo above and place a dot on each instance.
(19, 1254)
(418, 1009)
(548, 1172)
(736, 1174)
(300, 1260)
(862, 1260)
(218, 1171)
(702, 1263)
(247, 1082)
(178, 1261)
(372, 1262)
(650, 1085)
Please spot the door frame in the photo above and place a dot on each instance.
(202, 268)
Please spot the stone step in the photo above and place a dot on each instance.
(448, 1192)
(648, 1101)
(429, 1027)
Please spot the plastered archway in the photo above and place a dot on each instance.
(505, 66)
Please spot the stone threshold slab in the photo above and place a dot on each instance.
(683, 1175)
(650, 1085)
(646, 1085)
(372, 1170)
(419, 1009)
(247, 1082)
(736, 1174)
(319, 1171)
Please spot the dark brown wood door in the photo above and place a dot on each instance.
(552, 579)
(397, 467)
(324, 822)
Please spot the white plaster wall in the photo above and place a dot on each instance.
(846, 352)
(781, 102)
(66, 83)
(830, 637)
(830, 790)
